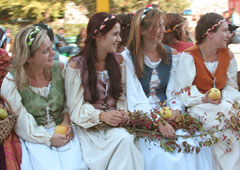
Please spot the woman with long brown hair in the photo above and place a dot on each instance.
(150, 70)
(95, 88)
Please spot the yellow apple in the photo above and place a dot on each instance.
(61, 129)
(3, 113)
(166, 112)
(214, 94)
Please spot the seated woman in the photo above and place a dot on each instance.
(174, 35)
(35, 89)
(204, 66)
(95, 83)
(150, 68)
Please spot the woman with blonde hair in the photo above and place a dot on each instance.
(150, 68)
(35, 89)
(174, 35)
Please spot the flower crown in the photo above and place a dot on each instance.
(102, 25)
(32, 35)
(148, 8)
(213, 27)
(174, 27)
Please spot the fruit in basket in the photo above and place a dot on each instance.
(3, 113)
(166, 112)
(61, 129)
(214, 94)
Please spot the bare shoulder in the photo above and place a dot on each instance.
(231, 56)
(74, 64)
(174, 52)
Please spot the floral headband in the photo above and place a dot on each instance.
(4, 37)
(103, 24)
(173, 28)
(213, 27)
(31, 37)
(148, 8)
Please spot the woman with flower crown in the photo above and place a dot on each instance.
(95, 90)
(34, 87)
(206, 65)
(174, 35)
(150, 70)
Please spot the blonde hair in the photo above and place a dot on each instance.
(152, 19)
(22, 52)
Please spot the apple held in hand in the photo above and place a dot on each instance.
(61, 130)
(214, 94)
(3, 113)
(166, 112)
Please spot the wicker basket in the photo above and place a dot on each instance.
(8, 123)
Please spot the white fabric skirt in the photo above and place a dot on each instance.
(155, 158)
(208, 114)
(112, 149)
(42, 157)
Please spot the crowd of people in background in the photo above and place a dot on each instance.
(118, 63)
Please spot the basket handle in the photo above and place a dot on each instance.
(5, 100)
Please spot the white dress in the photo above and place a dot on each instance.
(112, 149)
(154, 155)
(37, 154)
(186, 73)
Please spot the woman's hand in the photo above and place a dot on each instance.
(58, 140)
(113, 118)
(69, 134)
(166, 130)
(206, 99)
(175, 114)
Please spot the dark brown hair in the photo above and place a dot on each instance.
(204, 23)
(90, 58)
(125, 21)
(171, 20)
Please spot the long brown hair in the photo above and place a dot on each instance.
(135, 42)
(90, 58)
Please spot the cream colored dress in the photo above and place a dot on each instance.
(207, 112)
(112, 149)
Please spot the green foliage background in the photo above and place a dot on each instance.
(34, 11)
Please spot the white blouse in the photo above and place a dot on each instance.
(186, 73)
(137, 100)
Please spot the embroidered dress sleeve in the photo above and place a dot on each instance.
(185, 74)
(136, 98)
(26, 126)
(122, 102)
(82, 113)
(230, 92)
(172, 101)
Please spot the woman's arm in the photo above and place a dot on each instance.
(185, 74)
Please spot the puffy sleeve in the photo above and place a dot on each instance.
(173, 101)
(230, 92)
(137, 100)
(185, 74)
(122, 101)
(82, 113)
(26, 126)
